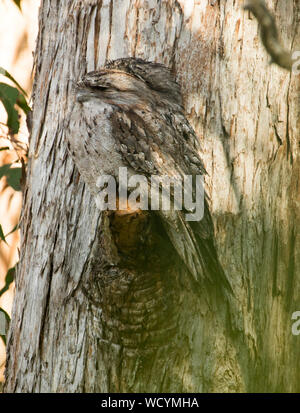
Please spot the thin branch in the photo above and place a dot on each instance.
(269, 34)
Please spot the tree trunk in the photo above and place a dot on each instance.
(85, 318)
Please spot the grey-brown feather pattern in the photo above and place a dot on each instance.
(130, 114)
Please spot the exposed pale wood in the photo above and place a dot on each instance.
(245, 113)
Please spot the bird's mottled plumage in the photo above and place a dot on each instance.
(130, 113)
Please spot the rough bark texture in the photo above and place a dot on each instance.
(78, 326)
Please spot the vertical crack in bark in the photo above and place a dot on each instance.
(137, 30)
(289, 153)
(97, 33)
(110, 29)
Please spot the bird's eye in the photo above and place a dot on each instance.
(95, 85)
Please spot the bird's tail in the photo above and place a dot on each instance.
(194, 243)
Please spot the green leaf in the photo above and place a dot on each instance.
(4, 169)
(9, 96)
(10, 276)
(17, 3)
(5, 314)
(13, 230)
(7, 318)
(9, 76)
(2, 236)
(21, 102)
(13, 176)
(3, 338)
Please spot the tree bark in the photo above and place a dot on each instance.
(85, 318)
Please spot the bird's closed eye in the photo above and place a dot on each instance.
(96, 87)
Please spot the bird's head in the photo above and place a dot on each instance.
(130, 82)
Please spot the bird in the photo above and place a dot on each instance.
(130, 114)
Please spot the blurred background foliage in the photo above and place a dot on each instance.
(18, 31)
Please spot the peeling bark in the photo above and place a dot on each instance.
(80, 326)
